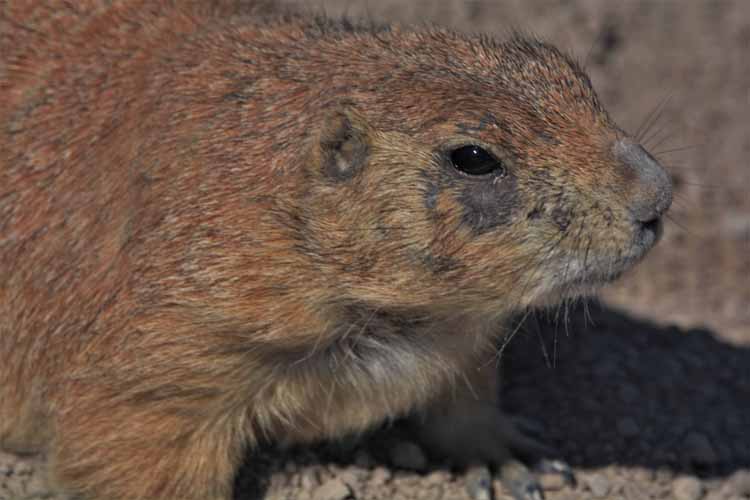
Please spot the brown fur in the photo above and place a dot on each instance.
(214, 229)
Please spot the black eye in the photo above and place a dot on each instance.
(474, 160)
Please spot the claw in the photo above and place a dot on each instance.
(556, 467)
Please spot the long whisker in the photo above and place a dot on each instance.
(680, 225)
(538, 330)
(677, 150)
(549, 247)
(657, 132)
(652, 118)
(667, 137)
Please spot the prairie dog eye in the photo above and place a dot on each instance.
(473, 160)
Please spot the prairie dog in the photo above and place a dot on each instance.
(216, 226)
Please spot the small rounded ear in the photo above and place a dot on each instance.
(343, 144)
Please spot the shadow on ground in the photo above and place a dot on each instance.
(613, 389)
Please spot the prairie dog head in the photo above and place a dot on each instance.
(478, 175)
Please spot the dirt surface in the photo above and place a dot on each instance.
(646, 395)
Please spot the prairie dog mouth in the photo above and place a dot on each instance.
(583, 273)
(649, 233)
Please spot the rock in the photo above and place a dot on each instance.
(438, 477)
(599, 485)
(698, 449)
(380, 476)
(407, 455)
(643, 474)
(687, 488)
(349, 477)
(552, 481)
(333, 489)
(635, 491)
(479, 483)
(739, 483)
(309, 480)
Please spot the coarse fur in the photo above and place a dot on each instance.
(217, 226)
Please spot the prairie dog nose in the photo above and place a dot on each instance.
(651, 189)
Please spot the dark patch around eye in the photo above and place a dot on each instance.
(486, 203)
(431, 194)
(489, 205)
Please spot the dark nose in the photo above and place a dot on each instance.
(651, 190)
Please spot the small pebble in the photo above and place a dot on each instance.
(635, 491)
(479, 483)
(309, 480)
(333, 489)
(687, 488)
(379, 476)
(555, 474)
(407, 455)
(349, 477)
(552, 481)
(739, 483)
(437, 477)
(643, 474)
(599, 485)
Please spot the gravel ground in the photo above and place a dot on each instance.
(646, 394)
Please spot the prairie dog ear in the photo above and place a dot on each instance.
(343, 144)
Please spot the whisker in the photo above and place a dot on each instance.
(657, 133)
(652, 118)
(587, 318)
(508, 338)
(538, 330)
(680, 225)
(677, 150)
(680, 202)
(674, 166)
(668, 136)
(549, 247)
(699, 184)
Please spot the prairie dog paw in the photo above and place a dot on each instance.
(475, 434)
